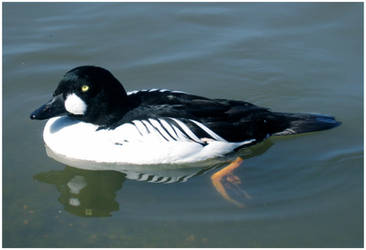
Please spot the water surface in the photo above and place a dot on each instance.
(302, 191)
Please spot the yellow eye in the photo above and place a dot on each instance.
(84, 88)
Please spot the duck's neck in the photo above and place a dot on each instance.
(108, 111)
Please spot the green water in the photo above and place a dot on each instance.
(302, 191)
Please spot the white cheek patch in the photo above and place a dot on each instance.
(75, 105)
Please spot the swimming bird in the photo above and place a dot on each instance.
(93, 118)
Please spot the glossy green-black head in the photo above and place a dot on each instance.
(88, 93)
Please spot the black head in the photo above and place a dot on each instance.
(88, 93)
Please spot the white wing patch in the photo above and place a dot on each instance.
(153, 90)
(172, 129)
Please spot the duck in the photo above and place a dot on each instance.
(92, 117)
(94, 123)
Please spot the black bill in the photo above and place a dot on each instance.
(54, 107)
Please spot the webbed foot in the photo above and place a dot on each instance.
(224, 179)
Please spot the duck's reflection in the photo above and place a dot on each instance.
(86, 192)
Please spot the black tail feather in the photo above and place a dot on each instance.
(302, 123)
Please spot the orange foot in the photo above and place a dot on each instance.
(225, 178)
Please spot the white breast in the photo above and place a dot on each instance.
(149, 141)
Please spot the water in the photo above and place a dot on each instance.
(302, 191)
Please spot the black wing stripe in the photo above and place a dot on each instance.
(176, 125)
(161, 121)
(147, 129)
(208, 131)
(198, 130)
(185, 125)
(157, 130)
(180, 134)
(134, 124)
(161, 128)
(168, 121)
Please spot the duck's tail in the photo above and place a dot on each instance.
(295, 123)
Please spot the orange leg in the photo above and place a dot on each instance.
(226, 175)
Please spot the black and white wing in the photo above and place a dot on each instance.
(177, 115)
